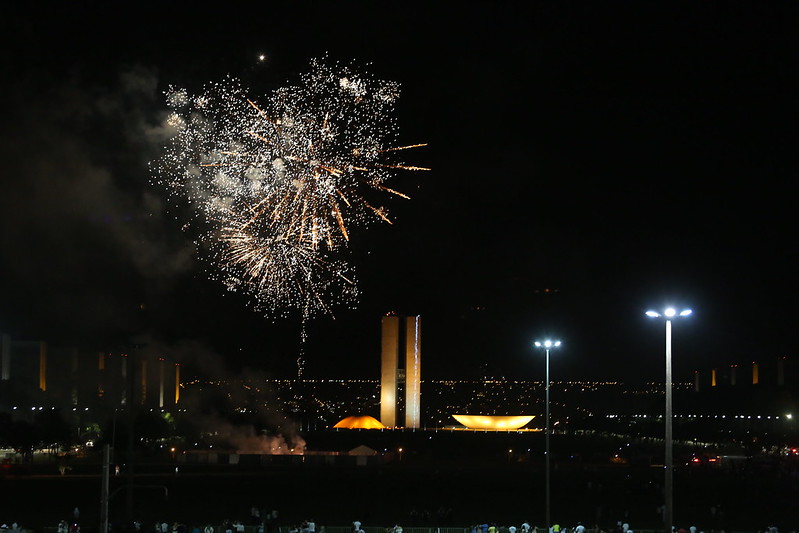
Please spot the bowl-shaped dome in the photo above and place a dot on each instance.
(493, 422)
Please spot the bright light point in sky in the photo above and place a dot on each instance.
(262, 58)
(670, 312)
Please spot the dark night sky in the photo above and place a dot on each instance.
(628, 155)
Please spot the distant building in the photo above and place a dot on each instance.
(5, 357)
(400, 380)
(38, 373)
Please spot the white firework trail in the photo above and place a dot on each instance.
(278, 184)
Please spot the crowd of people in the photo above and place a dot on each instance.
(621, 527)
(267, 523)
(310, 526)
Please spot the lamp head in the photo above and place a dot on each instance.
(669, 313)
(547, 344)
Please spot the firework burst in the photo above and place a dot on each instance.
(279, 184)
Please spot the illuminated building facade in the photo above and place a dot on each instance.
(24, 362)
(780, 371)
(400, 379)
(37, 373)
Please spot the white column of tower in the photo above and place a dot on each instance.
(413, 361)
(161, 382)
(177, 383)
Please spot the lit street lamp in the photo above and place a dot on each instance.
(547, 345)
(668, 313)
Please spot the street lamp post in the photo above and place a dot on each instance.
(668, 518)
(547, 345)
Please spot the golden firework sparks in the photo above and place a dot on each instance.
(281, 185)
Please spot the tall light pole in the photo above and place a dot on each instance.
(547, 345)
(669, 313)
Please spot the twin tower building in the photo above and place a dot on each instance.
(400, 379)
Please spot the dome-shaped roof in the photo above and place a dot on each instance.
(359, 422)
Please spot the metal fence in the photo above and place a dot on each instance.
(368, 529)
(375, 529)
(372, 529)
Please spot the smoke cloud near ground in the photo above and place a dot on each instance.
(249, 440)
(236, 410)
